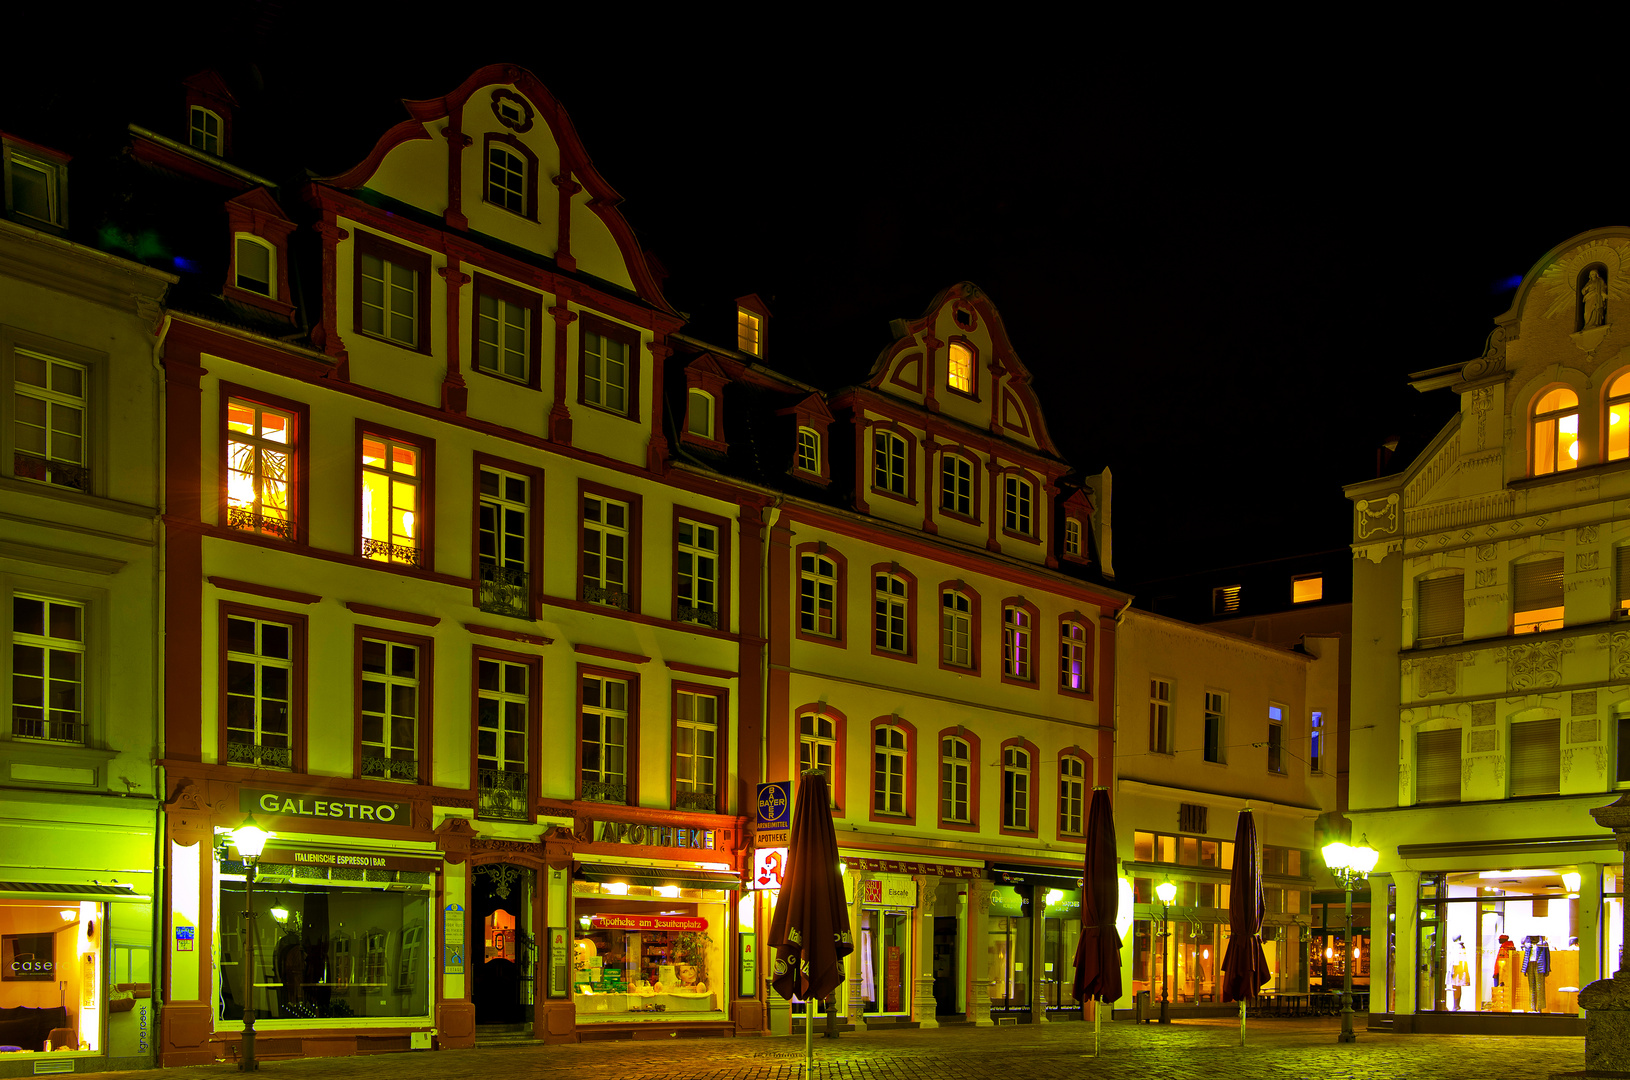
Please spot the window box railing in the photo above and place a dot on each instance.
(60, 731)
(62, 473)
(501, 795)
(385, 551)
(616, 598)
(706, 802)
(383, 768)
(705, 616)
(606, 791)
(504, 591)
(262, 757)
(239, 517)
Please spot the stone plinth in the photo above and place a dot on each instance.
(1607, 1027)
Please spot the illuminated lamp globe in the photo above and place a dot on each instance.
(1364, 858)
(1338, 856)
(1167, 892)
(250, 839)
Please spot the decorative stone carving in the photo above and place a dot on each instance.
(1492, 360)
(1587, 534)
(1482, 713)
(1536, 665)
(1485, 578)
(1584, 731)
(1620, 653)
(1377, 517)
(1586, 560)
(1483, 396)
(1437, 675)
(1583, 703)
(1485, 552)
(1482, 742)
(502, 875)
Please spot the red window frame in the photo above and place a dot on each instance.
(424, 745)
(635, 546)
(721, 585)
(534, 524)
(628, 335)
(910, 581)
(367, 243)
(523, 298)
(1087, 642)
(909, 794)
(631, 734)
(1035, 763)
(424, 514)
(974, 770)
(974, 625)
(840, 740)
(534, 714)
(721, 745)
(299, 639)
(299, 474)
(840, 615)
(1009, 671)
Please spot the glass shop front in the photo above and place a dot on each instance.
(649, 952)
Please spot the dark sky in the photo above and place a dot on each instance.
(1219, 266)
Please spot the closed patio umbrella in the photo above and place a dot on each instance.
(810, 928)
(1098, 953)
(1245, 966)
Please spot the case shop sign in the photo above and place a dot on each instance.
(647, 922)
(304, 804)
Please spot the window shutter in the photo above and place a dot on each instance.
(1621, 574)
(1536, 757)
(1437, 766)
(1538, 584)
(1441, 608)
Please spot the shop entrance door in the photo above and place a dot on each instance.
(885, 965)
(947, 966)
(503, 950)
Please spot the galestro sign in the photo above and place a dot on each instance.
(646, 922)
(301, 804)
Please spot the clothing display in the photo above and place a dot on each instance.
(1536, 964)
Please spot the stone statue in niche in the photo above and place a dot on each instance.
(1593, 295)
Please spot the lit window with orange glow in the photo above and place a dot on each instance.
(959, 369)
(1556, 431)
(390, 501)
(259, 461)
(1618, 418)
(749, 332)
(1537, 588)
(1305, 590)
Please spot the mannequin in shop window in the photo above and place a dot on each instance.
(1536, 964)
(1505, 981)
(1460, 972)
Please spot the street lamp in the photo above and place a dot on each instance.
(1167, 893)
(1349, 865)
(250, 840)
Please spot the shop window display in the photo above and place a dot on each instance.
(647, 952)
(50, 963)
(341, 951)
(1500, 941)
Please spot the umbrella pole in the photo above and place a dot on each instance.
(1097, 1025)
(1242, 1022)
(809, 1039)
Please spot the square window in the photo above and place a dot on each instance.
(1225, 599)
(1016, 506)
(608, 366)
(36, 187)
(391, 298)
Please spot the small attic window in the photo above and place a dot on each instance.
(1225, 599)
(509, 113)
(749, 332)
(1072, 537)
(809, 450)
(254, 265)
(1306, 589)
(699, 413)
(204, 131)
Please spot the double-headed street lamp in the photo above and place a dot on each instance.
(1167, 893)
(1349, 865)
(250, 840)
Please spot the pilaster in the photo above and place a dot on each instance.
(924, 1009)
(978, 933)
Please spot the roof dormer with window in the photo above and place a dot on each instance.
(210, 108)
(36, 184)
(258, 261)
(752, 325)
(811, 449)
(702, 423)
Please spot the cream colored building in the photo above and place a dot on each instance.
(1491, 678)
(1211, 723)
(79, 574)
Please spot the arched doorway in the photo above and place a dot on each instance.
(503, 949)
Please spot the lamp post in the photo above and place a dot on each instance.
(1349, 865)
(250, 840)
(1167, 893)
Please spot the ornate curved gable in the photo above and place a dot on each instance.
(558, 205)
(955, 359)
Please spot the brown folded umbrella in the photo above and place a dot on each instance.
(1245, 966)
(1098, 953)
(810, 929)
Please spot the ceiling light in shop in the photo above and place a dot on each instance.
(616, 888)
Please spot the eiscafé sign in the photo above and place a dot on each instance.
(303, 804)
(647, 922)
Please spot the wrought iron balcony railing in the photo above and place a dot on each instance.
(37, 727)
(616, 598)
(606, 791)
(263, 757)
(386, 551)
(504, 591)
(61, 473)
(705, 801)
(501, 795)
(384, 768)
(705, 616)
(242, 517)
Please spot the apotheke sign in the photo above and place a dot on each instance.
(304, 804)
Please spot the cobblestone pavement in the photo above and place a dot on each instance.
(1189, 1048)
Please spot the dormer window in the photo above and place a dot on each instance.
(36, 185)
(749, 332)
(809, 450)
(506, 180)
(1072, 537)
(204, 130)
(699, 413)
(254, 265)
(959, 372)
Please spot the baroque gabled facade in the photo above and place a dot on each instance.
(1490, 686)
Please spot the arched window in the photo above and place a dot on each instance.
(699, 413)
(889, 624)
(1618, 418)
(506, 179)
(889, 770)
(809, 450)
(204, 130)
(956, 628)
(817, 744)
(1556, 431)
(254, 265)
(1075, 652)
(959, 368)
(1072, 795)
(955, 772)
(1016, 788)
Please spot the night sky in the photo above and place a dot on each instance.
(1219, 267)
